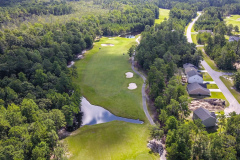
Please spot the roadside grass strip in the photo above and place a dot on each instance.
(229, 84)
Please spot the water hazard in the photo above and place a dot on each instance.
(95, 114)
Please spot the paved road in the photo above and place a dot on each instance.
(144, 96)
(234, 105)
(189, 38)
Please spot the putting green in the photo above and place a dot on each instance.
(110, 141)
(163, 13)
(103, 81)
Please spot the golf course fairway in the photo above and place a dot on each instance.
(103, 82)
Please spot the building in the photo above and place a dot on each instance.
(198, 89)
(208, 119)
(205, 31)
(233, 38)
(194, 76)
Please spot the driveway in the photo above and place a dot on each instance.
(234, 105)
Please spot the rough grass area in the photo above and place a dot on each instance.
(164, 13)
(212, 86)
(218, 95)
(229, 84)
(110, 141)
(103, 81)
(233, 20)
(206, 76)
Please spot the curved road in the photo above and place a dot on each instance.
(234, 105)
(144, 96)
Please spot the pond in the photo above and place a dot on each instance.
(95, 114)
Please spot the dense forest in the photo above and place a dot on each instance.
(37, 95)
(162, 50)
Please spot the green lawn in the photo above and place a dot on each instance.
(163, 13)
(103, 82)
(110, 141)
(229, 84)
(233, 20)
(212, 86)
(206, 76)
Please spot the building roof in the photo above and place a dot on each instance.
(193, 73)
(189, 69)
(195, 85)
(186, 65)
(203, 113)
(209, 31)
(233, 38)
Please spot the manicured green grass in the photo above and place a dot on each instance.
(233, 20)
(103, 81)
(110, 141)
(229, 84)
(212, 86)
(194, 38)
(164, 13)
(206, 76)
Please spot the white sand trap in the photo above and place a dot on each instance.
(107, 44)
(129, 75)
(110, 38)
(132, 86)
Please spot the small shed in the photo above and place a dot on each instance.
(198, 89)
(208, 118)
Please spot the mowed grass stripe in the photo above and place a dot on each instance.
(103, 82)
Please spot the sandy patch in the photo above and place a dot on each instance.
(129, 75)
(107, 44)
(237, 65)
(238, 19)
(110, 38)
(132, 86)
(209, 104)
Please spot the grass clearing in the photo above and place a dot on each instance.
(233, 20)
(212, 86)
(206, 76)
(113, 140)
(163, 13)
(229, 84)
(103, 81)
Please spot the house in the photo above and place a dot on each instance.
(233, 38)
(198, 89)
(205, 31)
(190, 69)
(208, 119)
(186, 65)
(194, 76)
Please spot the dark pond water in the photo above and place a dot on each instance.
(95, 114)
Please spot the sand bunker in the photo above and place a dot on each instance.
(132, 86)
(107, 44)
(129, 75)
